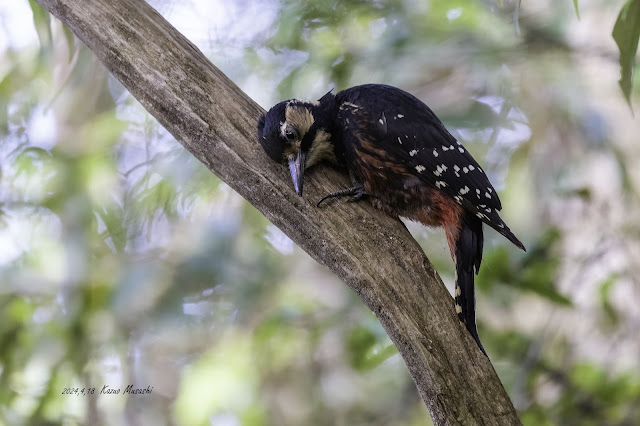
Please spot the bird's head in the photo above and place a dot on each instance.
(297, 133)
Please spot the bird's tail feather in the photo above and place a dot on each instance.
(468, 255)
(465, 302)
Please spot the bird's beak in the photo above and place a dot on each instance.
(296, 167)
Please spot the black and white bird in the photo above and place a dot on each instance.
(399, 156)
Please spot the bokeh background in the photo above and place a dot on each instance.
(125, 261)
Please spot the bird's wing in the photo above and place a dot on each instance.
(406, 130)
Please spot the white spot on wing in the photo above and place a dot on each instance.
(440, 169)
(435, 153)
(441, 184)
(414, 152)
(420, 168)
(464, 190)
(461, 149)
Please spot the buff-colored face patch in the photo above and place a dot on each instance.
(300, 119)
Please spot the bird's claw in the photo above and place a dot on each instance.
(356, 193)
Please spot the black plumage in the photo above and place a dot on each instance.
(399, 155)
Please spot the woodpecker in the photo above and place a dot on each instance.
(399, 156)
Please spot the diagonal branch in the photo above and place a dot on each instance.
(373, 254)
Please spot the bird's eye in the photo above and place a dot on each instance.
(290, 134)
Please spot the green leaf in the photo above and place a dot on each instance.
(608, 309)
(588, 377)
(380, 356)
(540, 279)
(359, 342)
(19, 310)
(68, 35)
(42, 21)
(365, 351)
(540, 267)
(575, 6)
(626, 32)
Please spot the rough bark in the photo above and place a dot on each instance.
(372, 253)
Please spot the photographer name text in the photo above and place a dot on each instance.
(108, 390)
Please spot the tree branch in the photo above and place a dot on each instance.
(370, 252)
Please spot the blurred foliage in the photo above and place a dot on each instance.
(123, 261)
(575, 5)
(626, 33)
